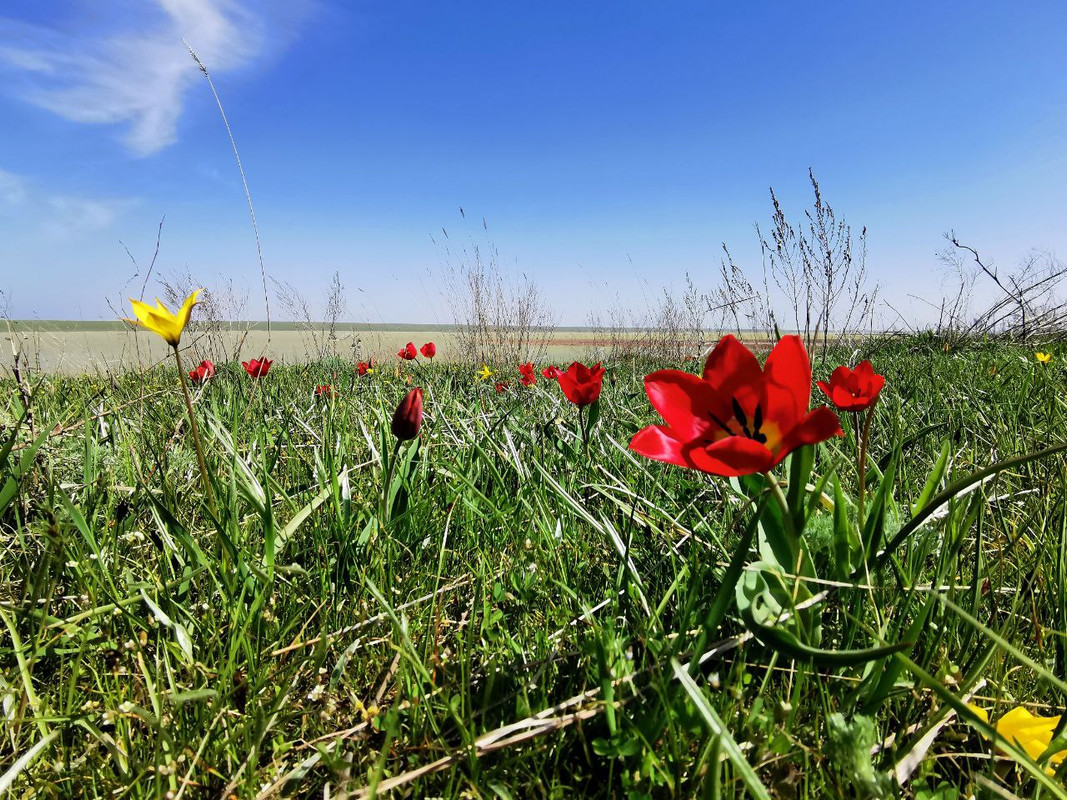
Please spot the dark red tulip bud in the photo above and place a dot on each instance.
(408, 417)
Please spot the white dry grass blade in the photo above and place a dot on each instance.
(910, 761)
(8, 778)
(718, 728)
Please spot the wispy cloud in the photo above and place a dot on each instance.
(25, 206)
(12, 189)
(135, 75)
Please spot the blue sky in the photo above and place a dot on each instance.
(611, 148)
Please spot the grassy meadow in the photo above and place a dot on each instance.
(515, 604)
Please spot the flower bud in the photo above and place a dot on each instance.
(408, 417)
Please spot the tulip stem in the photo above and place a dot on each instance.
(585, 434)
(389, 482)
(787, 518)
(196, 435)
(861, 463)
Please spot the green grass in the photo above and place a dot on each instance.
(527, 619)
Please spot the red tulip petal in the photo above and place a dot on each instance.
(685, 402)
(844, 399)
(818, 425)
(826, 389)
(731, 364)
(660, 444)
(732, 457)
(787, 386)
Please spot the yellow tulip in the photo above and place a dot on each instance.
(484, 372)
(160, 320)
(1030, 733)
(1043, 358)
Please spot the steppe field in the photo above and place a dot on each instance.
(330, 589)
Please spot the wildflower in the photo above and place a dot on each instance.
(1043, 358)
(365, 367)
(1031, 733)
(408, 353)
(484, 372)
(325, 391)
(581, 384)
(257, 367)
(502, 386)
(528, 373)
(203, 372)
(853, 389)
(160, 320)
(408, 417)
(428, 350)
(737, 419)
(551, 373)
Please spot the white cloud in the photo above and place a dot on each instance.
(24, 206)
(137, 75)
(12, 189)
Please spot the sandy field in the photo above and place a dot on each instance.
(100, 348)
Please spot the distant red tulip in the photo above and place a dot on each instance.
(853, 389)
(203, 372)
(737, 419)
(429, 350)
(580, 383)
(528, 373)
(326, 391)
(363, 367)
(408, 353)
(551, 373)
(257, 367)
(502, 386)
(408, 417)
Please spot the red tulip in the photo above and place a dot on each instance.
(408, 353)
(408, 417)
(737, 419)
(502, 386)
(363, 367)
(325, 391)
(551, 373)
(581, 384)
(429, 350)
(528, 373)
(257, 367)
(853, 389)
(203, 372)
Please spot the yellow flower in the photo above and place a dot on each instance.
(1043, 358)
(1030, 733)
(484, 372)
(160, 320)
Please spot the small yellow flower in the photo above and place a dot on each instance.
(484, 372)
(160, 320)
(1043, 358)
(1030, 733)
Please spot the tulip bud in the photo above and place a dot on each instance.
(408, 417)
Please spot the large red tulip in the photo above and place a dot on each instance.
(581, 384)
(408, 353)
(408, 417)
(428, 350)
(257, 367)
(737, 419)
(853, 389)
(203, 372)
